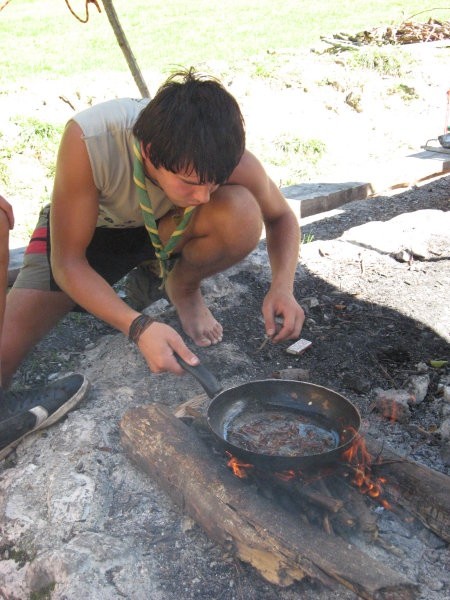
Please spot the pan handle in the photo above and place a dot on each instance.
(203, 375)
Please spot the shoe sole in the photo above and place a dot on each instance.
(53, 418)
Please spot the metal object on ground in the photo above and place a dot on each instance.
(444, 140)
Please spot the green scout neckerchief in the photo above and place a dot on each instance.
(162, 252)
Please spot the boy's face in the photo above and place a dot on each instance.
(183, 189)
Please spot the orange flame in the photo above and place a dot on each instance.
(286, 475)
(356, 456)
(361, 460)
(238, 467)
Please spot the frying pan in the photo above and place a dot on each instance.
(321, 412)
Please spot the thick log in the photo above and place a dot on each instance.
(282, 549)
(422, 491)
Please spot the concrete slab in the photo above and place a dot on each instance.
(308, 199)
(410, 170)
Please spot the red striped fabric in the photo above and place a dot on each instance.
(38, 242)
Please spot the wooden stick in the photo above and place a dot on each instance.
(329, 503)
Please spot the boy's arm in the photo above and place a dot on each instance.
(283, 245)
(74, 213)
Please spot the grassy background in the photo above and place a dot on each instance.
(42, 38)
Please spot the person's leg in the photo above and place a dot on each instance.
(25, 411)
(142, 285)
(222, 233)
(30, 309)
(29, 316)
(4, 260)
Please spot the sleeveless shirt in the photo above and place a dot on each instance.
(108, 134)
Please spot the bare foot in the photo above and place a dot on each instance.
(196, 318)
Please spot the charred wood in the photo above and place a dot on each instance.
(324, 500)
(422, 491)
(357, 506)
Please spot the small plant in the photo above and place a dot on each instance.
(37, 139)
(337, 85)
(45, 593)
(36, 136)
(387, 62)
(4, 174)
(295, 159)
(311, 149)
(21, 557)
(262, 71)
(265, 67)
(406, 92)
(308, 238)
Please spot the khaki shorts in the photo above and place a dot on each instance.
(112, 253)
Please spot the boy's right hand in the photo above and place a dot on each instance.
(158, 344)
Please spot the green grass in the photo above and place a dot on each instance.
(34, 138)
(406, 92)
(42, 38)
(34, 133)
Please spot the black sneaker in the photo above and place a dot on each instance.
(26, 411)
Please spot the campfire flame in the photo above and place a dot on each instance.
(356, 457)
(239, 468)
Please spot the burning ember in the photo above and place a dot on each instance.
(239, 468)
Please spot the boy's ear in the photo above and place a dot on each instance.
(145, 150)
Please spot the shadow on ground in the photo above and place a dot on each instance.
(435, 195)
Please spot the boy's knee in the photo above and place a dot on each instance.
(241, 216)
(4, 248)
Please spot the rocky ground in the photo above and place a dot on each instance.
(79, 520)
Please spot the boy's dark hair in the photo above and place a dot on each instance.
(193, 125)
